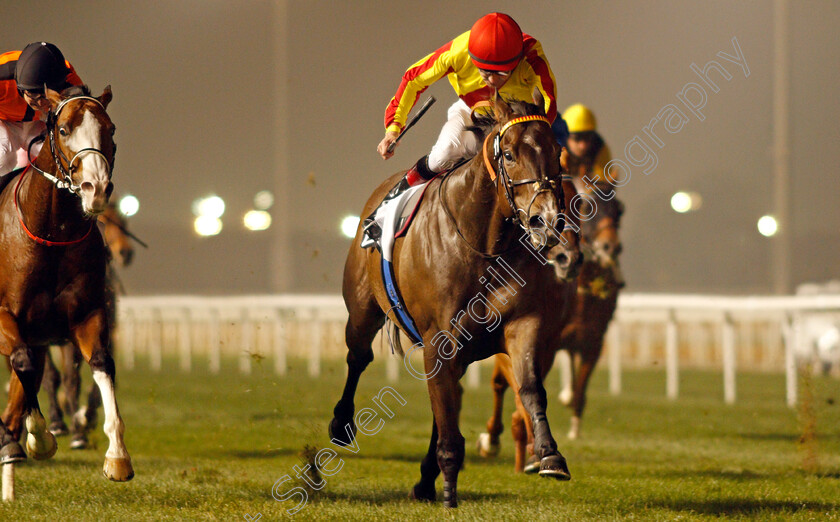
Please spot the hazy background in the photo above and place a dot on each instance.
(234, 97)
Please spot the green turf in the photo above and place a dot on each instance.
(209, 447)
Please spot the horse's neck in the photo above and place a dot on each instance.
(473, 199)
(45, 207)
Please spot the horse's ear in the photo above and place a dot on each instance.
(501, 109)
(106, 96)
(564, 160)
(539, 101)
(54, 97)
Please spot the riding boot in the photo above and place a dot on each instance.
(416, 175)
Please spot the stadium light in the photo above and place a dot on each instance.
(349, 225)
(263, 200)
(211, 206)
(768, 226)
(128, 205)
(207, 225)
(683, 202)
(257, 220)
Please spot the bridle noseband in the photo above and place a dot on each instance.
(66, 179)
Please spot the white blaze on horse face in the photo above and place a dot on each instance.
(113, 426)
(94, 168)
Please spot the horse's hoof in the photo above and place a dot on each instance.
(422, 493)
(554, 466)
(532, 466)
(486, 448)
(339, 432)
(79, 442)
(11, 453)
(59, 428)
(41, 448)
(118, 470)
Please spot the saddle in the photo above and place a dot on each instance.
(392, 219)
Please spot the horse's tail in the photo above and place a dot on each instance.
(394, 340)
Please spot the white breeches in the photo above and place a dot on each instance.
(455, 141)
(14, 139)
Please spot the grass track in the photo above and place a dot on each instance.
(210, 447)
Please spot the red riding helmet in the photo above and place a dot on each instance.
(495, 42)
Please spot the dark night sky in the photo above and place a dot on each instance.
(236, 97)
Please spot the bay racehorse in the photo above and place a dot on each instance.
(582, 336)
(52, 271)
(491, 214)
(118, 239)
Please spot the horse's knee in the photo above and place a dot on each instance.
(101, 360)
(21, 361)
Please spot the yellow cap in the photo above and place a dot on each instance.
(579, 118)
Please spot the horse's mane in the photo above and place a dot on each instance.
(75, 90)
(482, 124)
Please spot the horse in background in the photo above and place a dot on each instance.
(121, 253)
(52, 272)
(582, 337)
(470, 225)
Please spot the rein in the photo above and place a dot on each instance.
(39, 240)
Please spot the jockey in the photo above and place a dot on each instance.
(494, 57)
(588, 153)
(23, 76)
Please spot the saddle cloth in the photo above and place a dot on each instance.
(393, 218)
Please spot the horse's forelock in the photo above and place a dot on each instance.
(75, 90)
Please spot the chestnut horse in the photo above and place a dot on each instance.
(52, 271)
(582, 336)
(470, 224)
(121, 252)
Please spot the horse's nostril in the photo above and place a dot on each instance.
(536, 222)
(86, 186)
(562, 260)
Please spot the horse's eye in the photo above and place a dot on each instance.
(508, 156)
(113, 130)
(62, 131)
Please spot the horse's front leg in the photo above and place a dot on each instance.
(28, 366)
(445, 393)
(529, 374)
(91, 337)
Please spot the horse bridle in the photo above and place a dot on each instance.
(66, 179)
(500, 173)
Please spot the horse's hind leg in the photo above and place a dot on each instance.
(488, 442)
(52, 380)
(365, 319)
(588, 361)
(92, 337)
(429, 471)
(72, 381)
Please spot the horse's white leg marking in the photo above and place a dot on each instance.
(40, 443)
(487, 448)
(113, 426)
(574, 430)
(564, 361)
